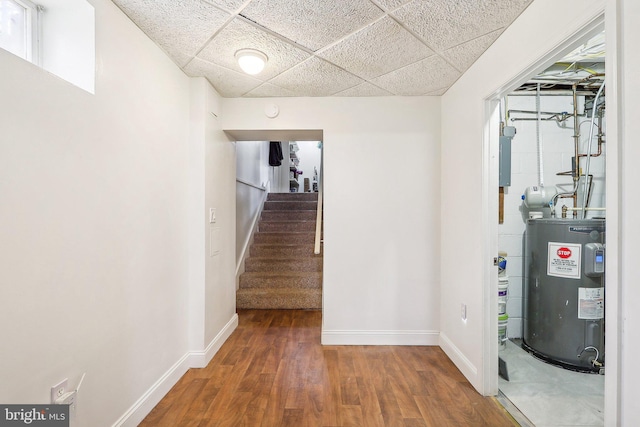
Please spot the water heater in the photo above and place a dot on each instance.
(564, 292)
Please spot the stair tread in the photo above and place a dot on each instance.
(283, 298)
(284, 273)
(281, 270)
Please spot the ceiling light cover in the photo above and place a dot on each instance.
(251, 61)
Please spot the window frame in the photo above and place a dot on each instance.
(33, 31)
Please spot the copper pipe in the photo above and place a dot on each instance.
(576, 140)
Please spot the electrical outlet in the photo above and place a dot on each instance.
(58, 390)
(463, 311)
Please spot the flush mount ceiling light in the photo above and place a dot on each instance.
(251, 61)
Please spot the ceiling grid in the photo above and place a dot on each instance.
(326, 48)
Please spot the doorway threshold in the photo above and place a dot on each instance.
(520, 418)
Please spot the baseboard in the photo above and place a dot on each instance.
(151, 397)
(200, 359)
(193, 359)
(359, 337)
(467, 368)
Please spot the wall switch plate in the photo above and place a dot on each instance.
(463, 311)
(212, 215)
(58, 390)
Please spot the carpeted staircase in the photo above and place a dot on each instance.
(281, 271)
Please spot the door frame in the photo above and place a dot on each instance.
(490, 209)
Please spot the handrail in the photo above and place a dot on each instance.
(318, 239)
(251, 185)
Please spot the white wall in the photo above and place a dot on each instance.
(220, 194)
(212, 244)
(94, 229)
(309, 156)
(469, 197)
(252, 166)
(382, 186)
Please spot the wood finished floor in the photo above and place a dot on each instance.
(273, 371)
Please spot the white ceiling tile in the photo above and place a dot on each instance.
(267, 90)
(444, 24)
(227, 82)
(228, 5)
(391, 4)
(372, 51)
(364, 89)
(420, 78)
(316, 77)
(312, 23)
(377, 49)
(179, 27)
(241, 35)
(462, 56)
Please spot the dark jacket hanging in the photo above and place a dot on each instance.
(275, 153)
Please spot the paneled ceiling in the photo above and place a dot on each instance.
(326, 47)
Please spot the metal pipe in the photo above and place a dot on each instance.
(539, 140)
(541, 112)
(557, 117)
(593, 116)
(576, 140)
(586, 209)
(600, 136)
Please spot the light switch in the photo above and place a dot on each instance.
(212, 215)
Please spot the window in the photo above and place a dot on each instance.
(19, 28)
(56, 35)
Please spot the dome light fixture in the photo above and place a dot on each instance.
(251, 61)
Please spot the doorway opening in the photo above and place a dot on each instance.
(279, 223)
(550, 234)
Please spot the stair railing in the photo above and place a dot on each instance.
(318, 239)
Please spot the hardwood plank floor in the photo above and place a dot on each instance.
(273, 372)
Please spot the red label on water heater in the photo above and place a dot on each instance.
(564, 253)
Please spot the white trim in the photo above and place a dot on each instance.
(136, 413)
(615, 188)
(467, 368)
(249, 240)
(193, 359)
(490, 207)
(200, 359)
(360, 337)
(592, 26)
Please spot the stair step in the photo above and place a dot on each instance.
(286, 226)
(279, 280)
(281, 271)
(282, 298)
(281, 251)
(256, 264)
(276, 215)
(301, 205)
(292, 196)
(284, 238)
